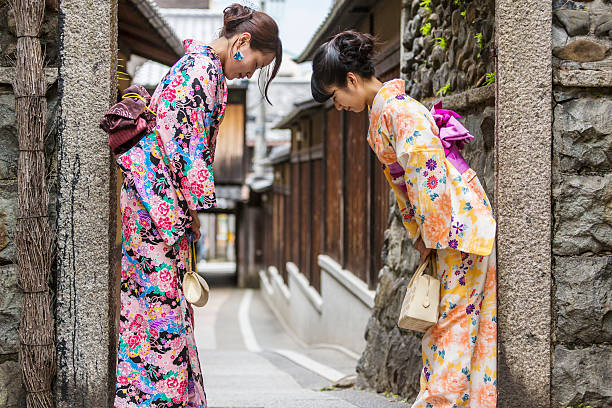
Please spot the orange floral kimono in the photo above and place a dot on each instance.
(450, 211)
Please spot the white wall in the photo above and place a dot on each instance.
(338, 315)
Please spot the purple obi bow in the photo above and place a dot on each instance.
(453, 135)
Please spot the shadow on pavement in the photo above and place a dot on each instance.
(218, 280)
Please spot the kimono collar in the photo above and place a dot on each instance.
(192, 46)
(395, 88)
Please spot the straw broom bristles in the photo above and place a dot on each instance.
(33, 235)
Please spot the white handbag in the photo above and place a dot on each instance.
(420, 307)
(195, 287)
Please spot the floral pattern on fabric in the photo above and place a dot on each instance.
(460, 351)
(172, 166)
(451, 212)
(167, 173)
(431, 194)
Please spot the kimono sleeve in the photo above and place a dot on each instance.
(407, 210)
(421, 155)
(188, 142)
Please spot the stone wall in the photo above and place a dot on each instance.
(582, 199)
(11, 391)
(392, 358)
(446, 44)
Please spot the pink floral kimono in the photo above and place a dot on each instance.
(167, 173)
(450, 211)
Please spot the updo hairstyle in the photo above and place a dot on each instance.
(348, 51)
(238, 19)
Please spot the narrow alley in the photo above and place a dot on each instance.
(250, 360)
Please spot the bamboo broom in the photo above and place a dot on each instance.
(33, 235)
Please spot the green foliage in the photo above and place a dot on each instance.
(426, 29)
(463, 14)
(582, 406)
(458, 2)
(444, 90)
(426, 5)
(479, 40)
(441, 42)
(490, 78)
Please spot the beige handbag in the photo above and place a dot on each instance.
(195, 287)
(420, 307)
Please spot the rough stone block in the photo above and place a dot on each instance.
(10, 309)
(559, 36)
(582, 51)
(479, 152)
(8, 201)
(582, 134)
(567, 4)
(391, 362)
(583, 224)
(8, 138)
(12, 393)
(582, 376)
(576, 22)
(603, 26)
(582, 299)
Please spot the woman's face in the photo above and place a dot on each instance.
(251, 61)
(350, 97)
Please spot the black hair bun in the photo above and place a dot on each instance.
(348, 51)
(234, 15)
(355, 48)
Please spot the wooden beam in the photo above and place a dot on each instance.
(150, 51)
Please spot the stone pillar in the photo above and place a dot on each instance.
(523, 203)
(85, 280)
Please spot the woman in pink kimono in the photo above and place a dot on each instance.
(168, 177)
(444, 208)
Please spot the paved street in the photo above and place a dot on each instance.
(250, 360)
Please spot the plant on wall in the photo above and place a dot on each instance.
(426, 29)
(444, 90)
(441, 42)
(479, 40)
(426, 5)
(490, 78)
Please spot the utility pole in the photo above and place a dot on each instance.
(260, 134)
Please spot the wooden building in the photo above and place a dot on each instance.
(328, 208)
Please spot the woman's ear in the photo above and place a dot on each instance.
(244, 39)
(351, 80)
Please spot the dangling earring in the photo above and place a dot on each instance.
(238, 56)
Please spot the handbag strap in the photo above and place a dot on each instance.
(192, 259)
(432, 279)
(419, 271)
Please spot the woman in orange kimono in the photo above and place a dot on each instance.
(444, 208)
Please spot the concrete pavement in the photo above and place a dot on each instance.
(250, 360)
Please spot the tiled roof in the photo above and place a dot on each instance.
(151, 12)
(204, 25)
